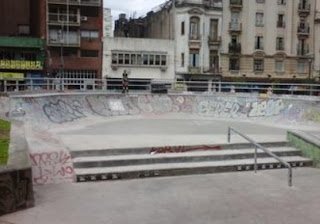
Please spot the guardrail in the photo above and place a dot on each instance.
(204, 87)
(258, 146)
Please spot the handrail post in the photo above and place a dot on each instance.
(290, 176)
(255, 159)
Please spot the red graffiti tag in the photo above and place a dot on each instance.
(51, 165)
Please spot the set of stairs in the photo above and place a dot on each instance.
(114, 164)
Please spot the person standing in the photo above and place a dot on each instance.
(125, 82)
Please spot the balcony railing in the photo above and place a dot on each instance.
(214, 40)
(235, 48)
(303, 29)
(77, 2)
(302, 50)
(66, 42)
(236, 4)
(194, 37)
(235, 27)
(317, 17)
(281, 24)
(194, 70)
(212, 70)
(212, 4)
(61, 18)
(304, 8)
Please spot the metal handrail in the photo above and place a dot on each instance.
(258, 146)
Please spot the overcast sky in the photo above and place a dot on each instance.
(131, 6)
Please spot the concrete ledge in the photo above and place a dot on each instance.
(16, 190)
(309, 145)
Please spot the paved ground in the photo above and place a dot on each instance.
(240, 198)
(137, 131)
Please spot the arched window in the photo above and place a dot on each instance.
(194, 27)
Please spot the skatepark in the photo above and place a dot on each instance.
(93, 146)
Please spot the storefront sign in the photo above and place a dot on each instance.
(21, 65)
(11, 76)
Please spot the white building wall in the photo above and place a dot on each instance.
(107, 23)
(138, 45)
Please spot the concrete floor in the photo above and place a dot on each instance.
(239, 198)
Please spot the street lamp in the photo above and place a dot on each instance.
(310, 58)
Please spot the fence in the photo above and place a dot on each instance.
(115, 85)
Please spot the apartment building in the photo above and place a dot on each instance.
(22, 50)
(73, 30)
(267, 40)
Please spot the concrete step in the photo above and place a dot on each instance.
(201, 156)
(173, 169)
(134, 151)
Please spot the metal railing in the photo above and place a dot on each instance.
(112, 84)
(258, 146)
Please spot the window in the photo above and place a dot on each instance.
(138, 59)
(90, 34)
(127, 59)
(234, 64)
(281, 22)
(114, 58)
(302, 47)
(258, 65)
(280, 44)
(151, 59)
(259, 19)
(89, 54)
(301, 67)
(24, 29)
(145, 58)
(194, 27)
(121, 59)
(163, 60)
(281, 2)
(214, 29)
(259, 43)
(214, 60)
(194, 58)
(182, 28)
(158, 59)
(279, 66)
(182, 59)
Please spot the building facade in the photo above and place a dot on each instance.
(73, 31)
(22, 49)
(268, 40)
(142, 58)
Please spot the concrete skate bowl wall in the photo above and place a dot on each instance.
(51, 161)
(51, 110)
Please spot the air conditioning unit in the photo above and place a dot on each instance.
(84, 18)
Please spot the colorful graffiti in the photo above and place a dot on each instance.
(49, 166)
(182, 149)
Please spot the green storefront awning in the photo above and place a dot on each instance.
(25, 42)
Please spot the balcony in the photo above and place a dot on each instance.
(235, 48)
(214, 40)
(96, 3)
(211, 70)
(303, 30)
(62, 19)
(317, 17)
(235, 27)
(212, 4)
(235, 4)
(24, 42)
(195, 40)
(302, 50)
(304, 9)
(194, 70)
(72, 41)
(281, 24)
